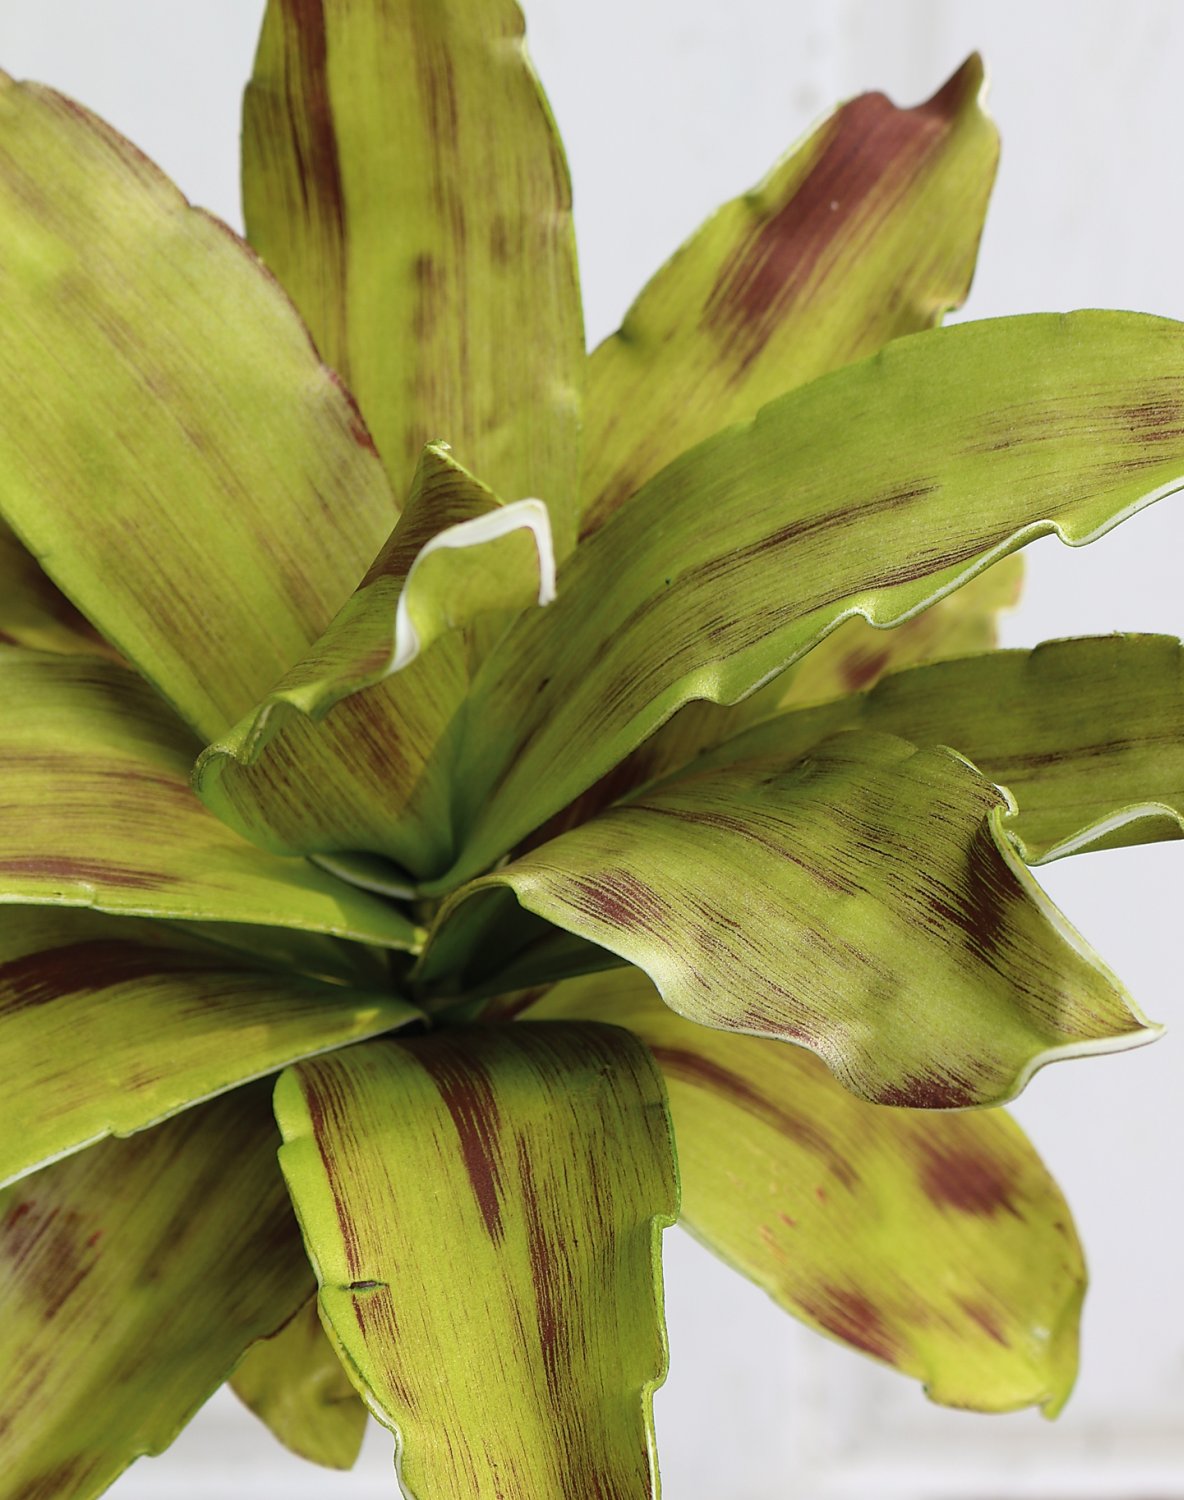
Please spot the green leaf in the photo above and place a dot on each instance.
(1087, 735)
(934, 1241)
(970, 441)
(334, 757)
(34, 613)
(201, 487)
(867, 230)
(143, 1267)
(852, 657)
(109, 1025)
(403, 177)
(865, 902)
(543, 1151)
(294, 1383)
(99, 812)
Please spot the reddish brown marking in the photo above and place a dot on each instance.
(850, 1316)
(548, 1296)
(979, 906)
(310, 111)
(324, 1101)
(83, 968)
(859, 672)
(87, 871)
(868, 154)
(621, 899)
(468, 1093)
(924, 1091)
(48, 1254)
(694, 1068)
(985, 1319)
(966, 1181)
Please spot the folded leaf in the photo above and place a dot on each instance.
(867, 230)
(294, 1383)
(1087, 735)
(34, 613)
(403, 177)
(543, 1151)
(109, 1025)
(738, 557)
(865, 902)
(936, 1242)
(201, 487)
(334, 757)
(143, 1267)
(99, 812)
(852, 657)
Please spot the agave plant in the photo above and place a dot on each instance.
(514, 757)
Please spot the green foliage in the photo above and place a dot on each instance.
(570, 776)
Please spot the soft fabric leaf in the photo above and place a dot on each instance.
(98, 812)
(851, 658)
(33, 612)
(334, 758)
(736, 558)
(108, 1025)
(403, 177)
(139, 1270)
(934, 1241)
(865, 902)
(867, 230)
(294, 1383)
(544, 1154)
(201, 487)
(1087, 735)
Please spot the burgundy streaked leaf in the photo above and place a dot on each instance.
(541, 1155)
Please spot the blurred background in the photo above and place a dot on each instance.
(667, 110)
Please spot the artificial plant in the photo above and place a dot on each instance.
(490, 741)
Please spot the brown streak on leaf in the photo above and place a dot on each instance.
(966, 1181)
(470, 1099)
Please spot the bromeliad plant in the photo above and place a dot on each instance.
(516, 848)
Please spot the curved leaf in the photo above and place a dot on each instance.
(143, 1267)
(99, 812)
(403, 177)
(739, 556)
(294, 1383)
(867, 230)
(334, 758)
(865, 902)
(545, 1152)
(936, 1242)
(34, 613)
(200, 486)
(1087, 735)
(109, 1025)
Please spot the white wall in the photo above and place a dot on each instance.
(668, 108)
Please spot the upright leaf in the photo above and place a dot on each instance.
(294, 1383)
(1087, 735)
(201, 487)
(340, 754)
(140, 1270)
(544, 1153)
(741, 555)
(865, 902)
(109, 1025)
(403, 177)
(99, 812)
(867, 230)
(934, 1241)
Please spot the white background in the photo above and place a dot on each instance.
(668, 108)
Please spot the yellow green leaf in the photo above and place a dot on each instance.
(294, 1383)
(1087, 735)
(33, 612)
(934, 1241)
(867, 230)
(738, 557)
(109, 1025)
(142, 1267)
(865, 902)
(543, 1151)
(200, 486)
(403, 177)
(99, 812)
(339, 755)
